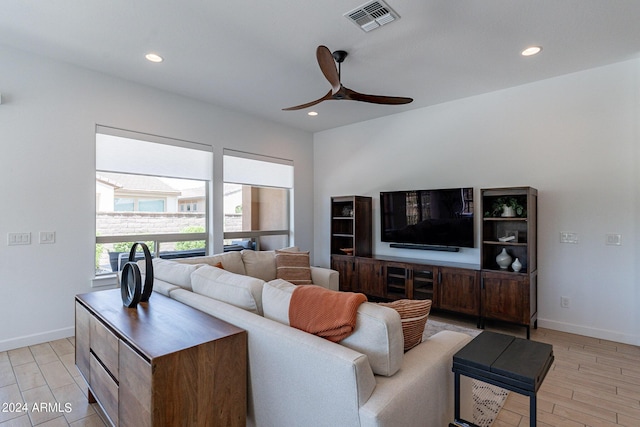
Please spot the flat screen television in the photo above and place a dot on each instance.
(428, 219)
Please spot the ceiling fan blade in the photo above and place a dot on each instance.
(328, 67)
(309, 104)
(376, 99)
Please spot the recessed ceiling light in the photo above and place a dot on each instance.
(531, 51)
(312, 113)
(153, 57)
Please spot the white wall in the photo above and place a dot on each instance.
(48, 116)
(575, 138)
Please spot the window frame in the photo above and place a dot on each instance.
(103, 279)
(255, 235)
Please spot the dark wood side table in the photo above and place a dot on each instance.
(502, 360)
(162, 363)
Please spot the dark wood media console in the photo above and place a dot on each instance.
(485, 291)
(453, 287)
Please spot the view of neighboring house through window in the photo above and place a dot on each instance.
(257, 201)
(150, 189)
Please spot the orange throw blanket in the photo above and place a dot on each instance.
(325, 313)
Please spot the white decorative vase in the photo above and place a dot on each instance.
(503, 259)
(517, 266)
(508, 211)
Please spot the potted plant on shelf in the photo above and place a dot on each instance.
(507, 207)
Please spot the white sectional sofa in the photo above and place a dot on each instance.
(298, 379)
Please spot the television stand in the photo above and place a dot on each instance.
(424, 247)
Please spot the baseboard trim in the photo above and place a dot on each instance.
(604, 334)
(28, 340)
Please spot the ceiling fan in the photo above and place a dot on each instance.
(327, 62)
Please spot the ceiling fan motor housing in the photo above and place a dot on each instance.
(339, 56)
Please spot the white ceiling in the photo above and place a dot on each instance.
(259, 56)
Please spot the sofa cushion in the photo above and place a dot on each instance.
(413, 315)
(231, 261)
(241, 291)
(171, 272)
(260, 264)
(276, 296)
(162, 287)
(293, 267)
(378, 332)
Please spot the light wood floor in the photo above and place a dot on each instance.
(592, 383)
(45, 377)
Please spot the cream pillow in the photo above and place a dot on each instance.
(241, 291)
(276, 296)
(378, 332)
(231, 261)
(171, 272)
(260, 264)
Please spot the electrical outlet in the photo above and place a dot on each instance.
(614, 239)
(564, 302)
(567, 237)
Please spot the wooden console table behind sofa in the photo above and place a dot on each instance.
(162, 363)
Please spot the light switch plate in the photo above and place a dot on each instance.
(47, 237)
(614, 239)
(568, 237)
(14, 239)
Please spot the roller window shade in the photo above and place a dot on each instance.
(150, 155)
(250, 170)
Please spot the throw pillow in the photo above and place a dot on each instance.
(260, 264)
(413, 315)
(232, 261)
(219, 265)
(293, 267)
(276, 296)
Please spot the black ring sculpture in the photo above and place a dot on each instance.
(131, 285)
(131, 277)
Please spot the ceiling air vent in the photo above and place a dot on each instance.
(372, 15)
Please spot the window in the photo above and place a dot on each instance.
(143, 184)
(257, 201)
(120, 204)
(141, 205)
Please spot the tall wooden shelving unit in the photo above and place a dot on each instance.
(351, 228)
(351, 225)
(509, 295)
